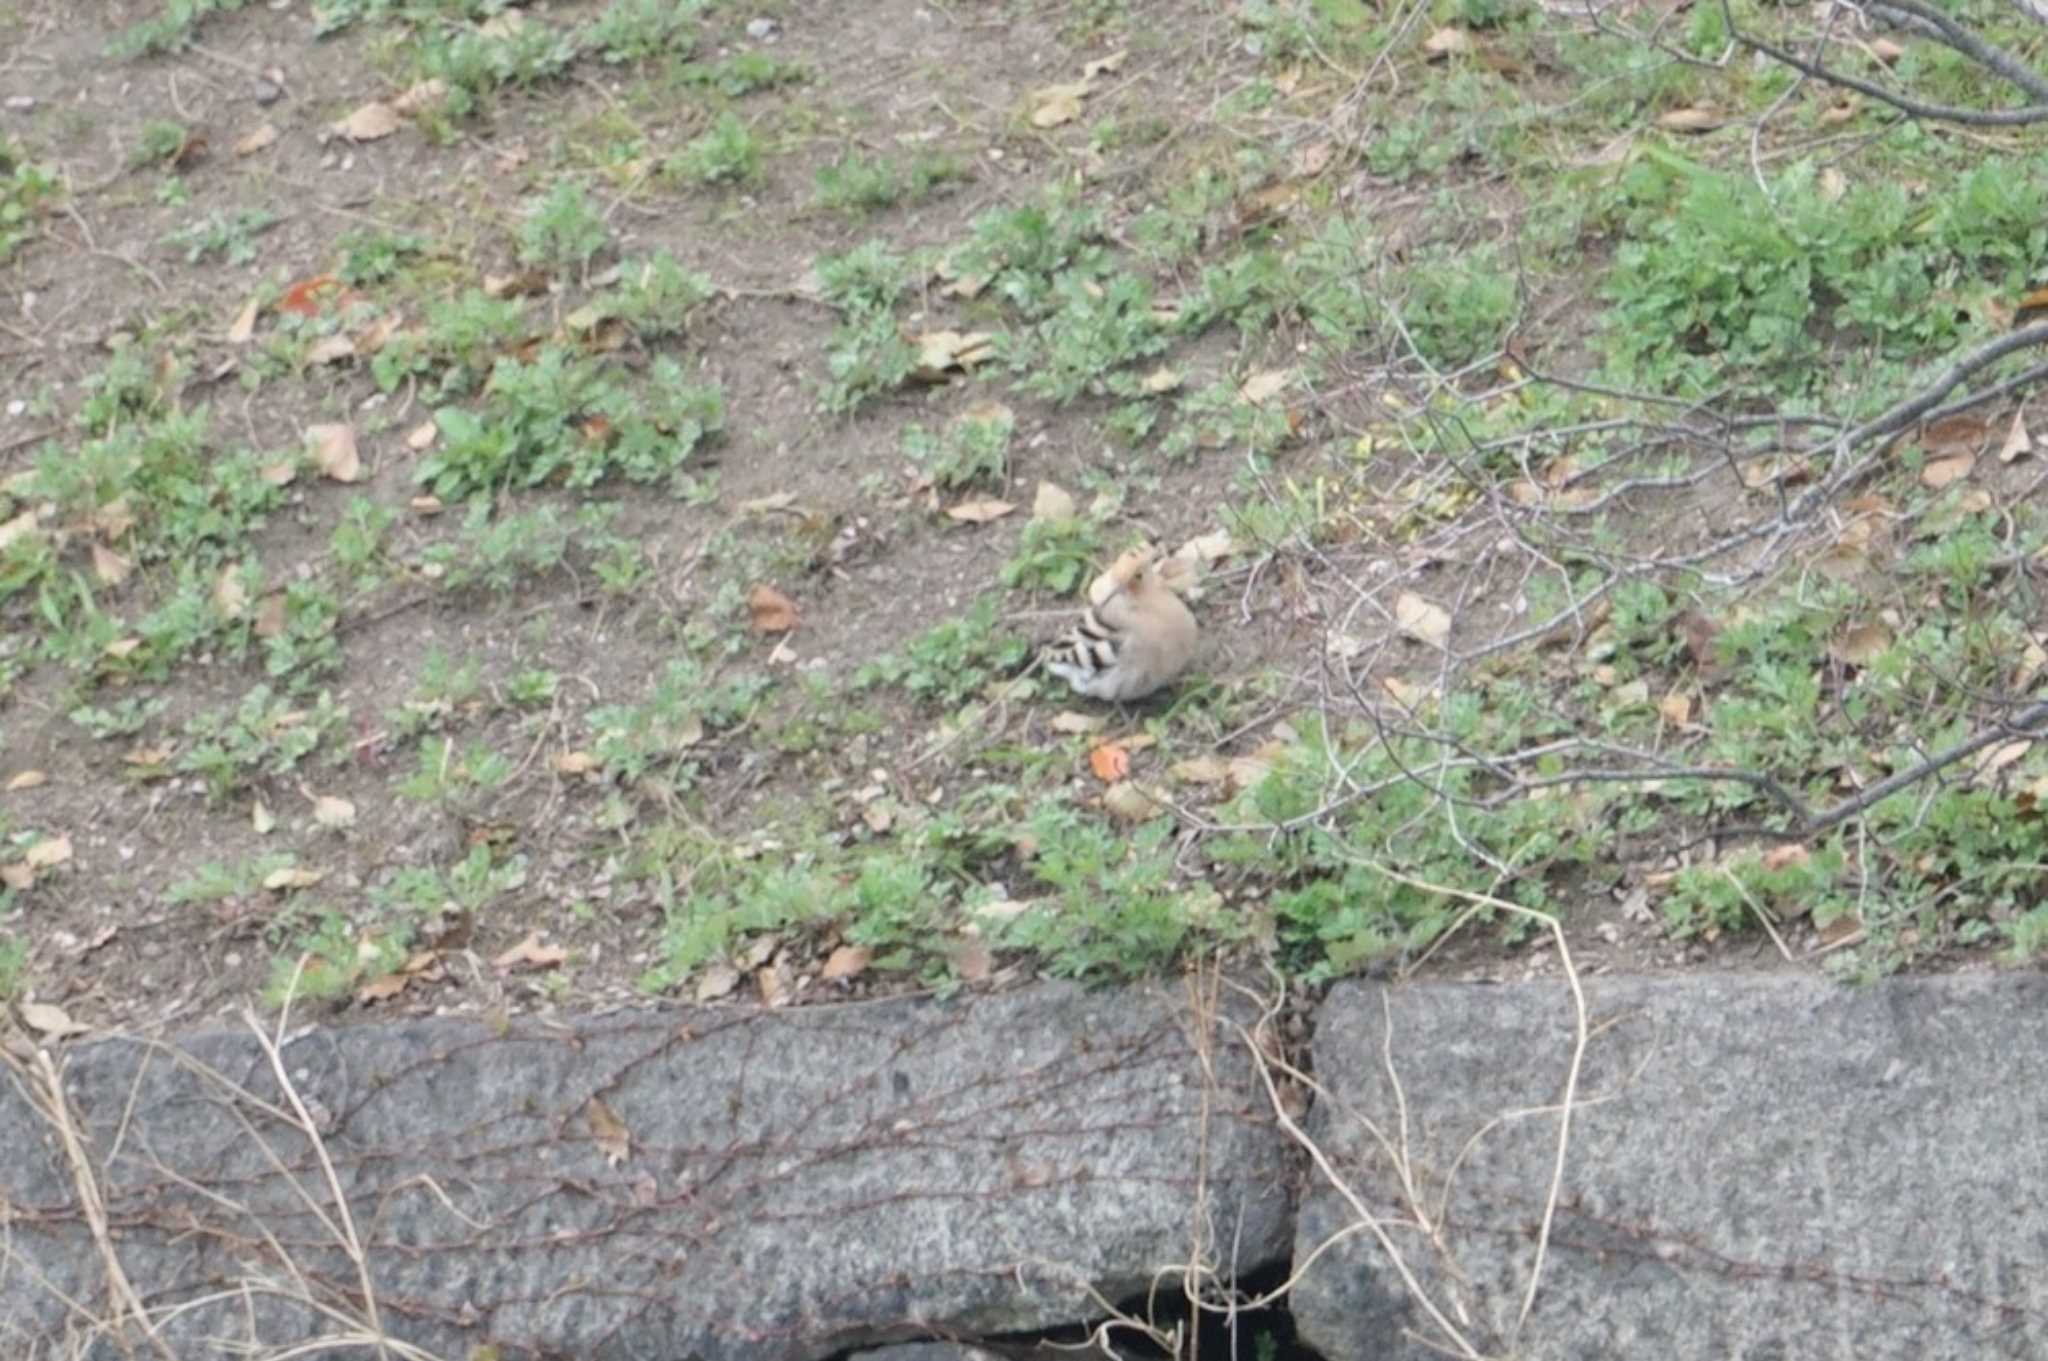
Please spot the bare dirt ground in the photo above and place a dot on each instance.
(459, 836)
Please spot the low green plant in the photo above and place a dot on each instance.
(743, 73)
(654, 296)
(563, 229)
(441, 774)
(1457, 305)
(1053, 555)
(950, 662)
(26, 187)
(636, 30)
(729, 153)
(13, 958)
(170, 31)
(125, 717)
(333, 959)
(262, 735)
(373, 255)
(233, 237)
(159, 142)
(1087, 330)
(1116, 907)
(974, 448)
(652, 740)
(867, 353)
(565, 415)
(869, 184)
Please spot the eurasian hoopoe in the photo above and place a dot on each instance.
(1134, 637)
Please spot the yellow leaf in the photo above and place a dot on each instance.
(332, 811)
(47, 853)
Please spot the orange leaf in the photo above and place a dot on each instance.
(304, 297)
(772, 611)
(1110, 762)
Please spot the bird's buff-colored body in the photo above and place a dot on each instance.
(1135, 638)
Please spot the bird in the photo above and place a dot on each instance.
(1135, 636)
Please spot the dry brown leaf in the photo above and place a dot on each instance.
(770, 610)
(1206, 548)
(1676, 709)
(1110, 761)
(333, 811)
(330, 350)
(382, 989)
(256, 139)
(608, 1132)
(1160, 380)
(17, 876)
(270, 616)
(1201, 770)
(421, 435)
(1128, 803)
(2017, 440)
(18, 529)
(1783, 857)
(771, 984)
(716, 981)
(1422, 620)
(848, 961)
(1885, 50)
(1057, 104)
(292, 876)
(1105, 65)
(1052, 502)
(425, 505)
(108, 566)
(530, 954)
(1261, 388)
(1447, 41)
(373, 337)
(2002, 755)
(1940, 472)
(373, 120)
(25, 779)
(51, 1020)
(575, 763)
(761, 505)
(261, 820)
(244, 324)
(1067, 721)
(972, 960)
(122, 647)
(230, 592)
(980, 510)
(425, 95)
(334, 452)
(1861, 644)
(48, 853)
(1692, 119)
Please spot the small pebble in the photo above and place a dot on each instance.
(21, 103)
(763, 30)
(267, 94)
